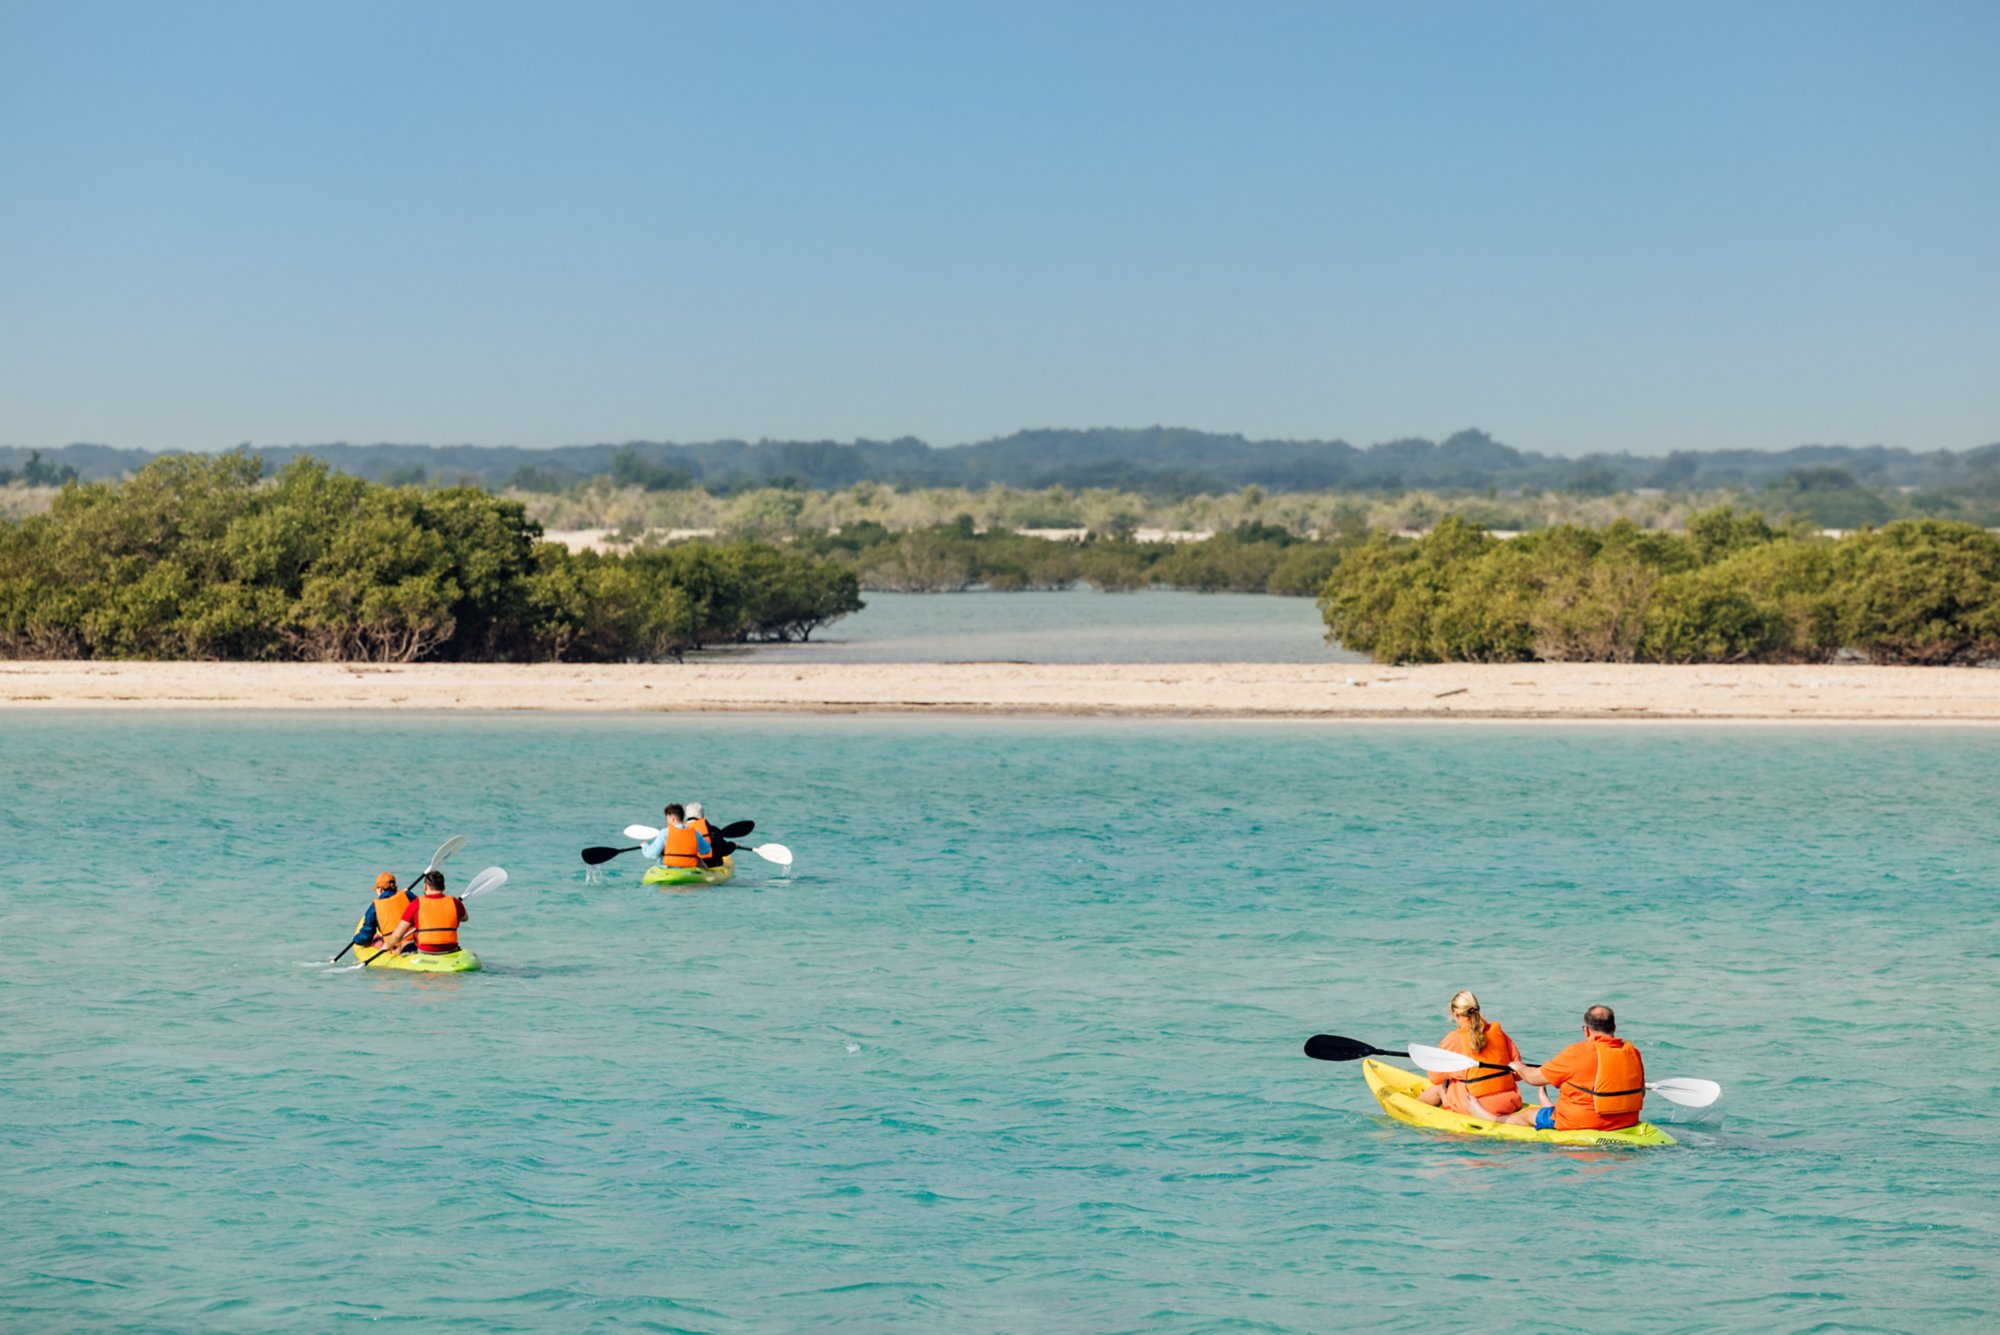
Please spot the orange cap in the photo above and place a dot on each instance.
(385, 882)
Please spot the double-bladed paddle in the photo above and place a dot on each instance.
(445, 850)
(1684, 1090)
(593, 856)
(1687, 1092)
(490, 879)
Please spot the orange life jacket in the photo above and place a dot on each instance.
(437, 924)
(1491, 1076)
(682, 849)
(1620, 1087)
(389, 911)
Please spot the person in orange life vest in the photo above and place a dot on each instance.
(679, 844)
(382, 915)
(1603, 1081)
(432, 918)
(712, 856)
(1487, 1090)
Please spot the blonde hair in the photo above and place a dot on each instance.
(1463, 1003)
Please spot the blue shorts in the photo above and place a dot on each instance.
(1545, 1118)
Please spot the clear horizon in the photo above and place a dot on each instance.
(1579, 229)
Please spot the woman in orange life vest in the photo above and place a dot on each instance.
(679, 844)
(432, 918)
(1492, 1082)
(1603, 1081)
(382, 915)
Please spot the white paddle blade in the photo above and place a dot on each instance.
(642, 833)
(1438, 1061)
(445, 850)
(777, 853)
(490, 879)
(1688, 1093)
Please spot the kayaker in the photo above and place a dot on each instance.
(1603, 1081)
(1488, 1090)
(679, 844)
(718, 847)
(432, 918)
(384, 913)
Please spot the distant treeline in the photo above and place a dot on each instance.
(198, 557)
(1158, 461)
(1732, 589)
(1252, 558)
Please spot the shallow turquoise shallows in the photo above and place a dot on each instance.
(1017, 1048)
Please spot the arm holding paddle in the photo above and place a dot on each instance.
(438, 859)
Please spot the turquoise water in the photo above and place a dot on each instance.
(1018, 1046)
(1071, 626)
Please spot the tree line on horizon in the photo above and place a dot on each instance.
(202, 557)
(1153, 461)
(207, 557)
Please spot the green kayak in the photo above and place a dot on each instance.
(690, 875)
(455, 961)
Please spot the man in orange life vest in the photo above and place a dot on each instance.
(712, 855)
(1603, 1081)
(381, 917)
(679, 844)
(432, 918)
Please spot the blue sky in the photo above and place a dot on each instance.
(1578, 226)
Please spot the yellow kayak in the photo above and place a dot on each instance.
(657, 875)
(1397, 1090)
(453, 961)
(415, 961)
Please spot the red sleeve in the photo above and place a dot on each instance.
(461, 907)
(1565, 1065)
(410, 913)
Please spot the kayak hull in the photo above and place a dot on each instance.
(690, 875)
(1396, 1090)
(456, 961)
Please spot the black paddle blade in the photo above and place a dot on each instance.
(1333, 1048)
(738, 829)
(593, 856)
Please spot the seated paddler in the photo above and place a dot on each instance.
(381, 916)
(1602, 1081)
(718, 847)
(1488, 1089)
(431, 919)
(678, 844)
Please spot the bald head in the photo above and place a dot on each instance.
(1600, 1020)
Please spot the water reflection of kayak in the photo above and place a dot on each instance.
(690, 875)
(1397, 1090)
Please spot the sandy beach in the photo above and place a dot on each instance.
(1554, 691)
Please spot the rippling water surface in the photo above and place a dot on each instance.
(1016, 1048)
